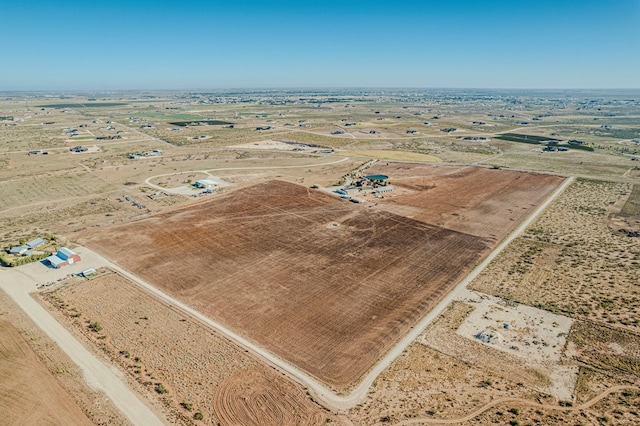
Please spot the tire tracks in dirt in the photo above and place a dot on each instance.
(521, 402)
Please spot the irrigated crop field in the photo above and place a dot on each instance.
(325, 284)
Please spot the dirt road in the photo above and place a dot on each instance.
(323, 393)
(360, 392)
(148, 180)
(99, 374)
(18, 284)
(519, 401)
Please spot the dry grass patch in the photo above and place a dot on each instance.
(391, 155)
(571, 263)
(172, 358)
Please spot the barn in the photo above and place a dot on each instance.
(63, 257)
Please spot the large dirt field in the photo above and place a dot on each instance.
(475, 200)
(200, 371)
(23, 375)
(340, 283)
(292, 270)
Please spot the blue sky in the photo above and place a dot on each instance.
(199, 44)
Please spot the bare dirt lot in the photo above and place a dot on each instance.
(339, 283)
(475, 200)
(176, 360)
(23, 376)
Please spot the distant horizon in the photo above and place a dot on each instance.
(319, 88)
(161, 45)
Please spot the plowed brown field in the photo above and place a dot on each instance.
(29, 394)
(475, 200)
(325, 284)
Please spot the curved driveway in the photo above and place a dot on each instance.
(178, 190)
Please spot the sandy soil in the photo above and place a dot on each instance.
(240, 237)
(354, 289)
(201, 370)
(96, 407)
(535, 336)
(278, 145)
(571, 261)
(29, 393)
(475, 200)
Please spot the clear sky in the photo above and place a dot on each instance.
(209, 44)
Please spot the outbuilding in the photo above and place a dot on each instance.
(19, 250)
(205, 183)
(36, 243)
(63, 257)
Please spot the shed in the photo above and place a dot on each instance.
(88, 272)
(19, 250)
(205, 183)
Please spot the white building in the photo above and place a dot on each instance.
(205, 183)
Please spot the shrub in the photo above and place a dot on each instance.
(160, 388)
(95, 326)
(198, 415)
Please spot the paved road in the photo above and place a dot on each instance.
(18, 283)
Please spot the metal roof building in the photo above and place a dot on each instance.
(205, 183)
(36, 243)
(63, 257)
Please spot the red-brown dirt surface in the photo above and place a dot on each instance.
(325, 284)
(475, 200)
(29, 394)
(250, 397)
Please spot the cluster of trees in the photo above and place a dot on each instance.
(8, 260)
(22, 260)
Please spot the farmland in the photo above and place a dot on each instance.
(326, 285)
(353, 279)
(24, 375)
(154, 344)
(478, 201)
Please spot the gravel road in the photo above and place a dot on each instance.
(18, 283)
